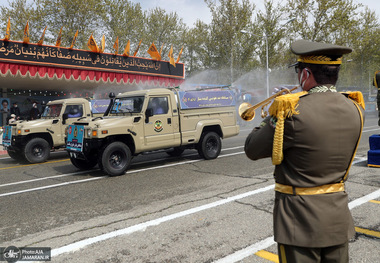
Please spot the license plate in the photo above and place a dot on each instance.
(7, 136)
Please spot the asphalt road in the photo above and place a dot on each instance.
(166, 209)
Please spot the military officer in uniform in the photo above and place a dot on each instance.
(312, 137)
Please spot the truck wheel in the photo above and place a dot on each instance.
(116, 158)
(176, 151)
(209, 146)
(18, 156)
(37, 150)
(83, 164)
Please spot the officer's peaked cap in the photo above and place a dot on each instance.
(318, 53)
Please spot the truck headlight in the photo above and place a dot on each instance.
(89, 132)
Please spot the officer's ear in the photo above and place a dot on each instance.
(307, 80)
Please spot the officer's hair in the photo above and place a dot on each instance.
(323, 74)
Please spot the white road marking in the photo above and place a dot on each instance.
(45, 178)
(251, 250)
(50, 186)
(372, 130)
(359, 160)
(248, 251)
(364, 199)
(139, 227)
(95, 178)
(102, 177)
(237, 256)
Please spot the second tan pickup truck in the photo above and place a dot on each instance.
(149, 120)
(33, 140)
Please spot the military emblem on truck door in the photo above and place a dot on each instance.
(158, 126)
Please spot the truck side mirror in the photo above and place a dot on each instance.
(64, 118)
(148, 113)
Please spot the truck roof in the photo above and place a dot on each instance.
(157, 91)
(71, 100)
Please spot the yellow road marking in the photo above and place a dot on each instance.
(375, 201)
(368, 232)
(25, 165)
(267, 255)
(274, 258)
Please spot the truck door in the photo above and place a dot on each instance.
(73, 112)
(160, 129)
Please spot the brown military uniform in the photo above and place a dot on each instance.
(318, 146)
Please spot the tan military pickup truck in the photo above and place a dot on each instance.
(149, 120)
(33, 140)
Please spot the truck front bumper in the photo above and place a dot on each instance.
(90, 149)
(17, 143)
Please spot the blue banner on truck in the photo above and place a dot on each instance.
(206, 99)
(99, 106)
(75, 134)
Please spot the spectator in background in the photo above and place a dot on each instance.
(12, 119)
(16, 111)
(34, 112)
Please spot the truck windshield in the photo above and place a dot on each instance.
(52, 111)
(130, 104)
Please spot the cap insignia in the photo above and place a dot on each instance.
(319, 60)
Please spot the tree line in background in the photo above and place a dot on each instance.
(219, 46)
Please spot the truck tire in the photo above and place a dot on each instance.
(18, 156)
(83, 164)
(176, 151)
(209, 146)
(37, 150)
(116, 158)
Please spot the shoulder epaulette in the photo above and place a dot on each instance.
(356, 96)
(282, 107)
(286, 105)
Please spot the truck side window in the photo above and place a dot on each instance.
(74, 111)
(159, 105)
(137, 104)
(52, 110)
